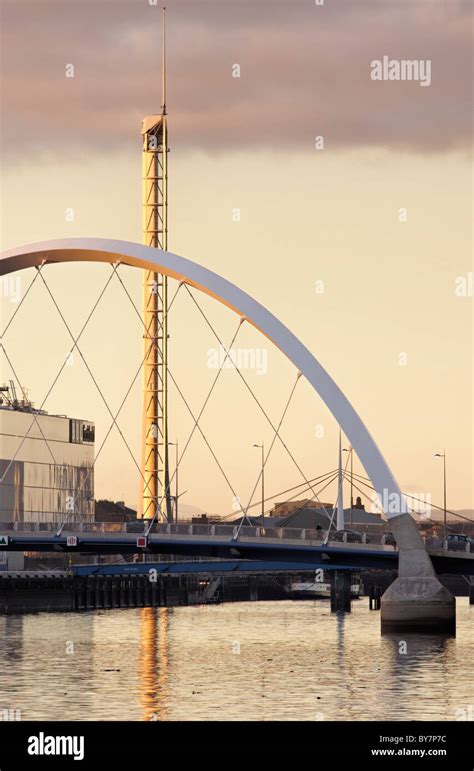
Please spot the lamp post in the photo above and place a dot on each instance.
(350, 451)
(443, 456)
(262, 447)
(175, 445)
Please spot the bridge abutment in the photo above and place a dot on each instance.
(416, 601)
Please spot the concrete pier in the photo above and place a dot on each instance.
(416, 601)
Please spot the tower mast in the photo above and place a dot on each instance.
(156, 496)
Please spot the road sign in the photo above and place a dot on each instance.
(71, 540)
(142, 541)
(4, 540)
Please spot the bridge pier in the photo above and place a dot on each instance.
(416, 601)
(341, 591)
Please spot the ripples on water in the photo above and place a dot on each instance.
(251, 661)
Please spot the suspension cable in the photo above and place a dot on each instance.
(114, 419)
(39, 273)
(21, 302)
(187, 406)
(285, 410)
(139, 370)
(305, 487)
(206, 400)
(25, 398)
(414, 498)
(334, 507)
(255, 398)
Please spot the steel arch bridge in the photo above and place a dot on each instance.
(187, 272)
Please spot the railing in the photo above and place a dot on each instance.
(219, 530)
(188, 528)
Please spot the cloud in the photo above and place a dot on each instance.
(305, 71)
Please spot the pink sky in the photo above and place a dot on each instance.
(306, 216)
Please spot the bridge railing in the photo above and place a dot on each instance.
(217, 529)
(227, 530)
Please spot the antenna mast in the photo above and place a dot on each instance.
(163, 88)
(155, 498)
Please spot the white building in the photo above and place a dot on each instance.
(46, 466)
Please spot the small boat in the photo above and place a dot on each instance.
(299, 590)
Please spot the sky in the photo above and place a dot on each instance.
(340, 202)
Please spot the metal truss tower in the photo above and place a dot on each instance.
(156, 497)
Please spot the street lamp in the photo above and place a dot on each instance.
(175, 444)
(350, 451)
(443, 456)
(262, 447)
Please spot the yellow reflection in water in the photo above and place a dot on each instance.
(153, 663)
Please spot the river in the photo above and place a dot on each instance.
(290, 660)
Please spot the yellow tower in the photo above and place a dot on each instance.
(156, 497)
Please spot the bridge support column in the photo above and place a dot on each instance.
(341, 592)
(416, 601)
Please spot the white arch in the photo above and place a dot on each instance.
(149, 258)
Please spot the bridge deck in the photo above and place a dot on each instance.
(312, 552)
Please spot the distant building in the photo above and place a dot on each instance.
(306, 518)
(308, 514)
(205, 519)
(113, 511)
(49, 475)
(283, 508)
(255, 520)
(318, 518)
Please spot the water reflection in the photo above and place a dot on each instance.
(251, 661)
(153, 663)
